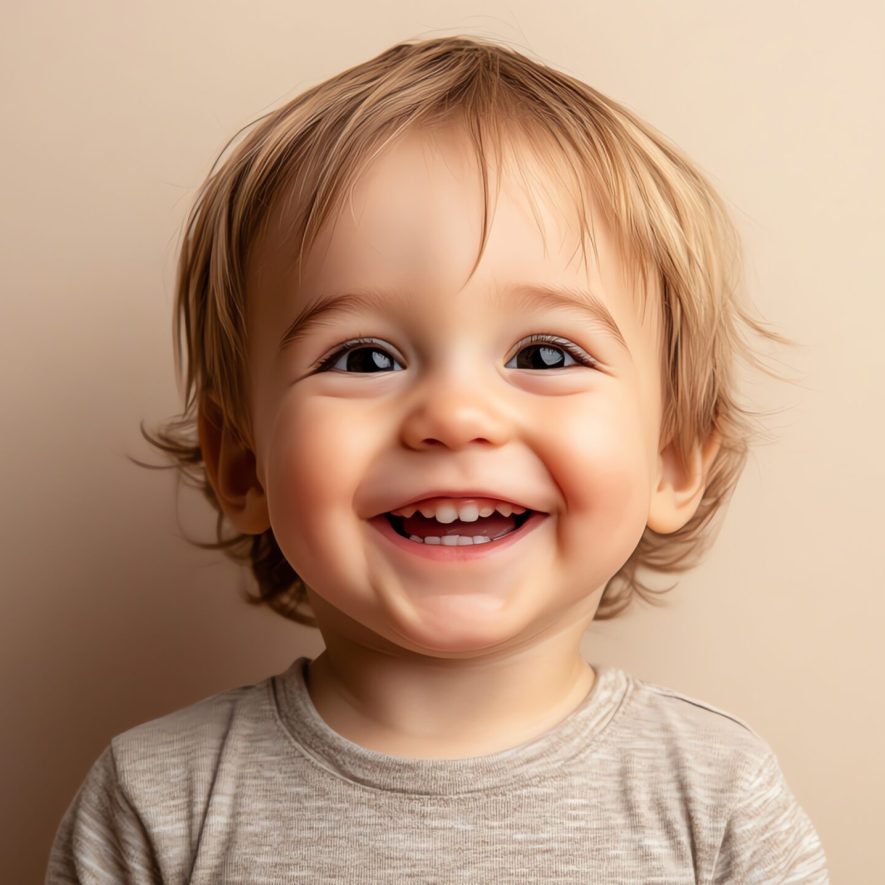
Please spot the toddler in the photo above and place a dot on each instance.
(539, 422)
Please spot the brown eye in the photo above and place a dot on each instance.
(545, 352)
(361, 356)
(364, 356)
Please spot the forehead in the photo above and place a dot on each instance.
(420, 204)
(413, 220)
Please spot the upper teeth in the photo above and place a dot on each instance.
(447, 512)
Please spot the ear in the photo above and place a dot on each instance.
(681, 485)
(230, 469)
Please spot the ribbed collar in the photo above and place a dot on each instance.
(576, 735)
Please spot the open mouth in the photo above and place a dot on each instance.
(483, 530)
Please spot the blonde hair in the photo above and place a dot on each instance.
(664, 213)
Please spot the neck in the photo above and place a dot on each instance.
(402, 703)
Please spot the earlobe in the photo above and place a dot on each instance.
(230, 469)
(681, 485)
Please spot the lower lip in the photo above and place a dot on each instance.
(456, 552)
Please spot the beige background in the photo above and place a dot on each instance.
(111, 116)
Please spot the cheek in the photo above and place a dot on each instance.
(315, 462)
(603, 472)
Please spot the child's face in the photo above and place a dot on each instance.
(446, 407)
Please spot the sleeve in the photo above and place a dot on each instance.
(101, 838)
(768, 838)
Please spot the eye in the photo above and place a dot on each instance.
(543, 353)
(541, 349)
(379, 361)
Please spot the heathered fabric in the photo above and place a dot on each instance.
(640, 784)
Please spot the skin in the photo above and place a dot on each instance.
(441, 660)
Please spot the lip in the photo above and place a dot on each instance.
(457, 553)
(448, 493)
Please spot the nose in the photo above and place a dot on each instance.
(453, 412)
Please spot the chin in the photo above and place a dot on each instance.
(453, 624)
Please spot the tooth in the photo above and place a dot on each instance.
(461, 540)
(509, 509)
(446, 514)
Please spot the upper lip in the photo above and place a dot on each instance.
(449, 493)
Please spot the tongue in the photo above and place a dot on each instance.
(489, 526)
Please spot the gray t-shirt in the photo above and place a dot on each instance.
(639, 784)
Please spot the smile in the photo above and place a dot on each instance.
(456, 547)
(476, 531)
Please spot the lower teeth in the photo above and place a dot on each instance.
(451, 540)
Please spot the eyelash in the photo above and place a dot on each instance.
(573, 350)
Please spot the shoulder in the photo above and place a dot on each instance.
(142, 803)
(185, 746)
(694, 753)
(205, 720)
(686, 725)
(709, 768)
(679, 708)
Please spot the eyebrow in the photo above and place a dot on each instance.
(584, 304)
